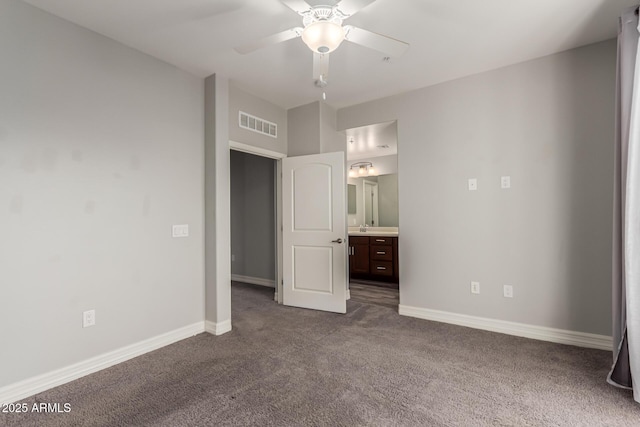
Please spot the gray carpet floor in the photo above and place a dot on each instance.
(284, 366)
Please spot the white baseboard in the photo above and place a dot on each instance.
(31, 386)
(253, 280)
(561, 336)
(217, 328)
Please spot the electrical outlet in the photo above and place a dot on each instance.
(473, 184)
(508, 291)
(233, 257)
(475, 287)
(88, 318)
(505, 182)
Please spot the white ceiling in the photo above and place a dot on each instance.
(449, 39)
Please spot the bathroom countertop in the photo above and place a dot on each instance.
(374, 231)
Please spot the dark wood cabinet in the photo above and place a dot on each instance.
(359, 255)
(375, 240)
(374, 259)
(380, 253)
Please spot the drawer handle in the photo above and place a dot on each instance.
(381, 240)
(380, 253)
(381, 268)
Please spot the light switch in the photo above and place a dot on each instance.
(181, 230)
(473, 184)
(505, 182)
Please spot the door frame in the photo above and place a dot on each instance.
(262, 152)
(374, 207)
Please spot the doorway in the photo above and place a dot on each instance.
(373, 214)
(315, 190)
(253, 217)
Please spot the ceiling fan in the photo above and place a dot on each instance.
(323, 32)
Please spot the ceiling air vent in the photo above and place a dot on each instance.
(256, 124)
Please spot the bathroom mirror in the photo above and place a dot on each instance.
(351, 199)
(376, 201)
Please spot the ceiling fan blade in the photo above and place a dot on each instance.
(320, 66)
(351, 7)
(384, 44)
(269, 40)
(299, 6)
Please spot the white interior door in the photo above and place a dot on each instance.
(314, 232)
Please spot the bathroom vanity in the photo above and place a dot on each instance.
(373, 257)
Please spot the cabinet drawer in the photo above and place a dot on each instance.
(382, 268)
(358, 240)
(381, 253)
(381, 240)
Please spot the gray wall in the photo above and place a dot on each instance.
(330, 140)
(239, 100)
(304, 130)
(216, 201)
(312, 130)
(100, 153)
(547, 123)
(253, 216)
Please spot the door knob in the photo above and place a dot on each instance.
(338, 240)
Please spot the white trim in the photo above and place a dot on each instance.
(348, 294)
(561, 336)
(218, 328)
(31, 386)
(253, 280)
(279, 227)
(375, 214)
(246, 148)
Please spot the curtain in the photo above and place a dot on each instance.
(626, 227)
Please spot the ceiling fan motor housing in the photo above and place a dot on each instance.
(322, 13)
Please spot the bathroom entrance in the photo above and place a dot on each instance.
(373, 213)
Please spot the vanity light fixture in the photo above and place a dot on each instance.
(362, 169)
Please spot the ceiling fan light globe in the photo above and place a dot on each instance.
(323, 36)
